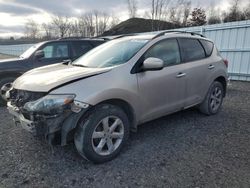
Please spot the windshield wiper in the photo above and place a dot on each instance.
(67, 62)
(78, 65)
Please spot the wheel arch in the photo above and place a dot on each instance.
(69, 128)
(127, 108)
(223, 81)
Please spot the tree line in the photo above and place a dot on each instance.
(90, 24)
(179, 12)
(184, 14)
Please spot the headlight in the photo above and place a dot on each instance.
(50, 104)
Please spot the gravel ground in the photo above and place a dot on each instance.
(186, 149)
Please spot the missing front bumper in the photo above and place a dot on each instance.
(55, 129)
(19, 119)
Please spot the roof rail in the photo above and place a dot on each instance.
(125, 35)
(177, 32)
(89, 38)
(103, 38)
(68, 38)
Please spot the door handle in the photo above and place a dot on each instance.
(180, 75)
(211, 67)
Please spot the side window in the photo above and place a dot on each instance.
(191, 49)
(208, 46)
(48, 51)
(81, 48)
(56, 50)
(167, 50)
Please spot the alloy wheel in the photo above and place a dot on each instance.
(216, 98)
(108, 135)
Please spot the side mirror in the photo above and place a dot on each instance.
(39, 54)
(152, 64)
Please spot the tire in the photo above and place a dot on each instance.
(4, 81)
(97, 142)
(214, 99)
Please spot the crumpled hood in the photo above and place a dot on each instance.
(46, 78)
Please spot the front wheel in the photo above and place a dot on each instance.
(214, 98)
(101, 135)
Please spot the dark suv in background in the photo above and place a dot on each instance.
(45, 53)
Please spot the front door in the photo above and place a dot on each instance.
(54, 52)
(162, 91)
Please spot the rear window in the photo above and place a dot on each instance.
(191, 49)
(208, 46)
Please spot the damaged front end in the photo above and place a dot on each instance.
(51, 116)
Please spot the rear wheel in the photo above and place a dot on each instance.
(101, 135)
(214, 98)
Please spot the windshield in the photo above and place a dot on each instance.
(30, 51)
(110, 54)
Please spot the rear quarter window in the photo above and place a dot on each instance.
(208, 46)
(191, 49)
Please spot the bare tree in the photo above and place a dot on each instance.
(132, 8)
(95, 23)
(157, 9)
(235, 13)
(88, 21)
(175, 12)
(62, 24)
(31, 29)
(96, 17)
(113, 21)
(213, 16)
(74, 29)
(247, 12)
(103, 23)
(158, 12)
(48, 30)
(179, 12)
(186, 12)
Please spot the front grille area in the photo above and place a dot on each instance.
(20, 97)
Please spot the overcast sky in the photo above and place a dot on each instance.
(14, 13)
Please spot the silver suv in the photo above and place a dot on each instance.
(102, 96)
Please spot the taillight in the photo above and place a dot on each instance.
(225, 62)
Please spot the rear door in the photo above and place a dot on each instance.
(199, 68)
(54, 52)
(162, 91)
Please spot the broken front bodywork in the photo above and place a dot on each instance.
(53, 117)
(34, 106)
